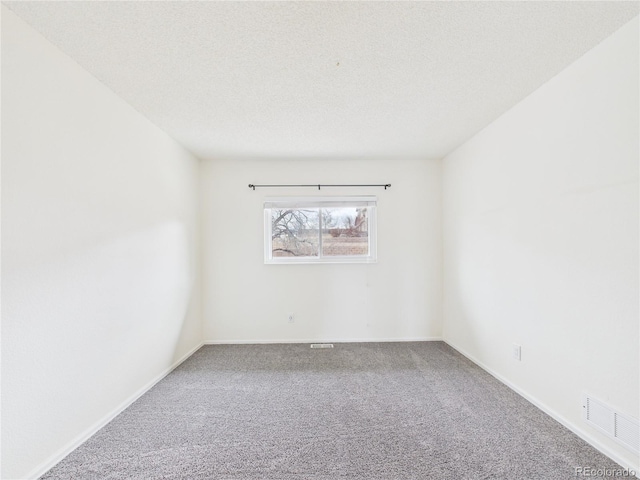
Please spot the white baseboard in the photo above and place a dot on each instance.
(594, 442)
(320, 340)
(84, 436)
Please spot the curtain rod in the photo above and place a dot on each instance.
(385, 185)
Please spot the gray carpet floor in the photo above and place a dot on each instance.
(357, 411)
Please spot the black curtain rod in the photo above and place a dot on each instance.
(385, 185)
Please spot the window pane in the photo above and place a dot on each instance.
(345, 231)
(294, 232)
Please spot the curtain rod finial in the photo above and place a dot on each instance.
(252, 186)
(388, 185)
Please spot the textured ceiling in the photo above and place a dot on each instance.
(300, 79)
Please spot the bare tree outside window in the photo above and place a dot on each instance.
(320, 231)
(294, 233)
(347, 232)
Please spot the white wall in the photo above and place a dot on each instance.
(99, 252)
(541, 239)
(399, 298)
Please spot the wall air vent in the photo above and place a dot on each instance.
(322, 345)
(622, 428)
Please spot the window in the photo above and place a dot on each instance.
(320, 230)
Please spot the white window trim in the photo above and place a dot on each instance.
(321, 202)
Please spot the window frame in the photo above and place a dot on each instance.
(370, 202)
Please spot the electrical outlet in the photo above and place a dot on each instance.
(291, 318)
(516, 352)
